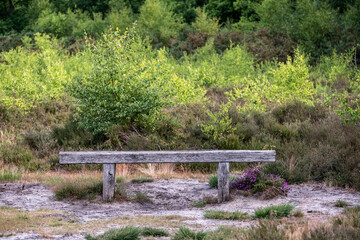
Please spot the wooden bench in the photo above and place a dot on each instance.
(111, 158)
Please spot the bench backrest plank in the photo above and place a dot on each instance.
(117, 157)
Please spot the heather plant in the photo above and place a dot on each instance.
(256, 181)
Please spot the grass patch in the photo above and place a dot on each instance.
(141, 197)
(213, 181)
(186, 234)
(226, 215)
(14, 220)
(277, 211)
(340, 203)
(298, 213)
(342, 227)
(9, 176)
(119, 180)
(225, 233)
(147, 231)
(200, 204)
(85, 188)
(142, 180)
(125, 233)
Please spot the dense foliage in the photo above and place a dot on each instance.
(188, 74)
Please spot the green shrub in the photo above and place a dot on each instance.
(157, 20)
(126, 88)
(147, 231)
(225, 215)
(30, 77)
(277, 211)
(186, 234)
(125, 233)
(205, 24)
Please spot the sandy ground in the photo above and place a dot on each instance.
(173, 197)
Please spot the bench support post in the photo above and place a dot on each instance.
(108, 181)
(223, 182)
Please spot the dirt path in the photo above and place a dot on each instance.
(172, 197)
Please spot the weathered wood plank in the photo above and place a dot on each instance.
(104, 157)
(109, 171)
(223, 182)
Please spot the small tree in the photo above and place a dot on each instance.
(128, 84)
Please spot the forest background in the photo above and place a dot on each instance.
(180, 75)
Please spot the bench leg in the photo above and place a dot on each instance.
(223, 182)
(108, 181)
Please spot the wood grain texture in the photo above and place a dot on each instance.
(109, 171)
(223, 182)
(114, 157)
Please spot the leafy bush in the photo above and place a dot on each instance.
(277, 211)
(128, 84)
(256, 181)
(157, 20)
(29, 77)
(289, 82)
(204, 24)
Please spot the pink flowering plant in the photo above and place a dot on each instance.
(256, 181)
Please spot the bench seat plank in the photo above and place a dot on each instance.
(204, 156)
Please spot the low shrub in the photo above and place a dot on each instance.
(125, 233)
(256, 181)
(277, 211)
(225, 215)
(186, 234)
